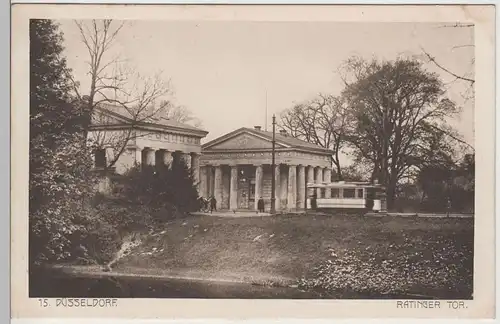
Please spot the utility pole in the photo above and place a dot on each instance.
(273, 171)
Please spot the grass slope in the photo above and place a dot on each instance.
(286, 248)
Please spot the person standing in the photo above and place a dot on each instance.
(260, 205)
(201, 204)
(213, 204)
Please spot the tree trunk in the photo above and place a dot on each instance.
(339, 171)
(375, 174)
(391, 193)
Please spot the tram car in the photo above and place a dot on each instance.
(346, 196)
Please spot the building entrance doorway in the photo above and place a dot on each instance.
(246, 187)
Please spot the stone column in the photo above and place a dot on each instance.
(204, 181)
(218, 186)
(310, 179)
(150, 156)
(301, 183)
(259, 172)
(195, 169)
(187, 159)
(110, 154)
(292, 187)
(327, 177)
(277, 187)
(167, 158)
(319, 179)
(283, 187)
(233, 188)
(138, 155)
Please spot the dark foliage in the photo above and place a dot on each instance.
(167, 188)
(60, 162)
(448, 188)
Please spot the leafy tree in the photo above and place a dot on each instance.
(396, 103)
(441, 183)
(60, 163)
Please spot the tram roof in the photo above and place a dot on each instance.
(342, 184)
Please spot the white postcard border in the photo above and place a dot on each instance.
(481, 306)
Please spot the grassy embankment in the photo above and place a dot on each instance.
(379, 255)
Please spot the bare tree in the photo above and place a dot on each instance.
(140, 108)
(98, 36)
(323, 121)
(116, 87)
(180, 114)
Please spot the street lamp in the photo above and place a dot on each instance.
(273, 171)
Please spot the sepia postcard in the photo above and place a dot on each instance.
(252, 161)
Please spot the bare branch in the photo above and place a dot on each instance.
(458, 25)
(433, 60)
(463, 46)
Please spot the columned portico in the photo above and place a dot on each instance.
(236, 168)
(154, 143)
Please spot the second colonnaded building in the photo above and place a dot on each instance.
(236, 169)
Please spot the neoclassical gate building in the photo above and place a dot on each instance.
(236, 169)
(153, 142)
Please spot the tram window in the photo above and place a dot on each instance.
(360, 193)
(335, 193)
(349, 193)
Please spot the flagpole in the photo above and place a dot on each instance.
(265, 124)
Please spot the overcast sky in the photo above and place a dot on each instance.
(221, 70)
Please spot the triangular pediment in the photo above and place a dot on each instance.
(242, 141)
(103, 117)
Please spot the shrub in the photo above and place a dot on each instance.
(170, 189)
